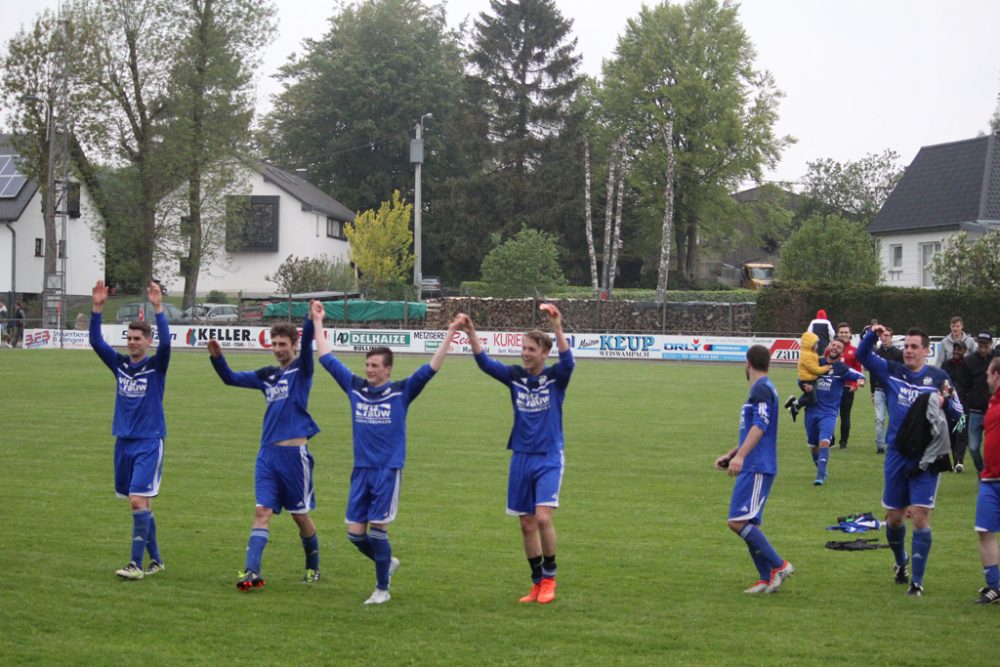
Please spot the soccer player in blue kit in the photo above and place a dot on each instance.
(754, 463)
(536, 442)
(139, 425)
(283, 474)
(821, 416)
(907, 488)
(378, 416)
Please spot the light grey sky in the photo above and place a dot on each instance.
(859, 76)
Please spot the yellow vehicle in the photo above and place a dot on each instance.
(756, 275)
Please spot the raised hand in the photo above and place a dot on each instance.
(99, 295)
(214, 348)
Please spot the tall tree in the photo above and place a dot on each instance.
(209, 112)
(351, 100)
(523, 82)
(692, 65)
(856, 188)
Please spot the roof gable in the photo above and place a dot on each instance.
(311, 197)
(946, 185)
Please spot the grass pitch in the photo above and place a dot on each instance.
(648, 571)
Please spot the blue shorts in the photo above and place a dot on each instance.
(819, 426)
(534, 479)
(749, 497)
(988, 508)
(138, 466)
(374, 495)
(901, 490)
(283, 479)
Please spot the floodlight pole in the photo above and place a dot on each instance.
(417, 157)
(51, 243)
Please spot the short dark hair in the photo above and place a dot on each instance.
(887, 328)
(143, 326)
(759, 358)
(959, 346)
(384, 352)
(843, 324)
(924, 338)
(286, 329)
(957, 318)
(541, 339)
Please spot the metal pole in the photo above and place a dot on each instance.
(417, 156)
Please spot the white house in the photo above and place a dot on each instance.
(22, 232)
(284, 215)
(947, 188)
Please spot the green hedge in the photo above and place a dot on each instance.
(482, 289)
(783, 309)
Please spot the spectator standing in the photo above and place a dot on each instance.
(979, 393)
(850, 386)
(823, 328)
(944, 349)
(959, 375)
(17, 325)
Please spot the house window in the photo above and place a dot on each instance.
(252, 224)
(896, 257)
(927, 251)
(39, 245)
(334, 228)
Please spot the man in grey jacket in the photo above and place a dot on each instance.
(945, 347)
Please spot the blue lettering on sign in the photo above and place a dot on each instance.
(629, 343)
(687, 347)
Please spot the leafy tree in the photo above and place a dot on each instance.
(350, 101)
(693, 66)
(210, 108)
(829, 249)
(313, 274)
(527, 264)
(965, 264)
(856, 189)
(380, 243)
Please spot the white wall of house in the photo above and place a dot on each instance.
(300, 233)
(85, 250)
(905, 257)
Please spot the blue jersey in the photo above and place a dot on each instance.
(286, 391)
(378, 414)
(139, 402)
(901, 385)
(537, 402)
(761, 410)
(830, 388)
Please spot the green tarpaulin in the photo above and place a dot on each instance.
(353, 311)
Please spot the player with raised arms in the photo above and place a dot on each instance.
(378, 416)
(283, 474)
(536, 441)
(139, 425)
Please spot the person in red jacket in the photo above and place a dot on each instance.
(988, 502)
(847, 398)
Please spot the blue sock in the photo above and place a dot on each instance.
(823, 458)
(151, 546)
(311, 546)
(363, 544)
(382, 555)
(755, 538)
(992, 574)
(140, 534)
(758, 561)
(921, 549)
(896, 537)
(815, 455)
(255, 548)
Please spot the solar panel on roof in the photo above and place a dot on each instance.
(7, 165)
(10, 186)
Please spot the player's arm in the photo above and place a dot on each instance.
(306, 365)
(316, 313)
(469, 327)
(555, 320)
(246, 379)
(99, 296)
(155, 296)
(439, 354)
(722, 462)
(749, 442)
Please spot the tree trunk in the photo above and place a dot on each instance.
(616, 242)
(608, 212)
(663, 270)
(589, 220)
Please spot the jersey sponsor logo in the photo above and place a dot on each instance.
(276, 392)
(373, 413)
(132, 387)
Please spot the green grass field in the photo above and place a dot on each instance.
(649, 573)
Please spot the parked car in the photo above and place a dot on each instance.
(130, 312)
(212, 312)
(430, 286)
